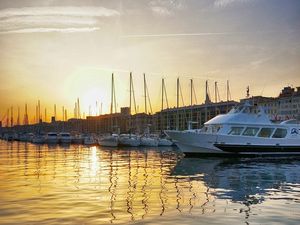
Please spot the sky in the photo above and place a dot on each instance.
(57, 50)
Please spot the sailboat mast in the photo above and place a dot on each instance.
(145, 93)
(130, 91)
(112, 93)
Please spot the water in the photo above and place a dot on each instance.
(81, 185)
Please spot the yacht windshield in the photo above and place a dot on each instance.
(280, 133)
(236, 131)
(251, 131)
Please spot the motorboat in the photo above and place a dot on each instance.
(129, 140)
(65, 138)
(246, 129)
(109, 140)
(52, 138)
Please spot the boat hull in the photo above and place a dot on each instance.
(259, 149)
(194, 143)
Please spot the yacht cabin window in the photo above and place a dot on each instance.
(265, 132)
(250, 131)
(280, 133)
(236, 130)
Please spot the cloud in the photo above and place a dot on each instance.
(48, 30)
(165, 7)
(53, 19)
(203, 34)
(225, 3)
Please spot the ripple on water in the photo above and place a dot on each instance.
(43, 184)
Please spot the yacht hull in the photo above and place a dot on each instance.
(194, 143)
(260, 149)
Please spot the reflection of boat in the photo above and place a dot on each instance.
(244, 130)
(241, 180)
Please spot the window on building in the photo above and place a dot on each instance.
(251, 131)
(265, 132)
(280, 133)
(236, 130)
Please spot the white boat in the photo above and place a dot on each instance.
(129, 140)
(89, 140)
(52, 138)
(149, 141)
(38, 139)
(244, 130)
(109, 141)
(65, 138)
(164, 142)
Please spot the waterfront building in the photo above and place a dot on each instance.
(285, 106)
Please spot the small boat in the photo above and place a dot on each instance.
(129, 140)
(52, 138)
(109, 141)
(65, 138)
(38, 139)
(245, 130)
(89, 140)
(149, 141)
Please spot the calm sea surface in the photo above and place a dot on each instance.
(41, 184)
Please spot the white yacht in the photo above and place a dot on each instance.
(52, 138)
(244, 130)
(129, 140)
(65, 138)
(109, 141)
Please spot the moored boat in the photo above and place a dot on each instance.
(109, 141)
(52, 138)
(245, 130)
(65, 138)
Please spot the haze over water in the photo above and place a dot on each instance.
(92, 185)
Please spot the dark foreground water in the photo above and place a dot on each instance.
(81, 185)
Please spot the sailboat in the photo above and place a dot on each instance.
(113, 139)
(130, 139)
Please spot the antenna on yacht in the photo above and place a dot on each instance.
(145, 94)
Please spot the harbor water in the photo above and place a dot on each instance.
(75, 184)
